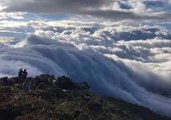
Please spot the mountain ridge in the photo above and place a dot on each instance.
(62, 99)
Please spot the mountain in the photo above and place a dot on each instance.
(46, 97)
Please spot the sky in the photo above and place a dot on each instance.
(108, 9)
(122, 48)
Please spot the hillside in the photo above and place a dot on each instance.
(53, 98)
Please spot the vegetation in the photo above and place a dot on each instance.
(61, 99)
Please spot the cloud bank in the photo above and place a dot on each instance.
(128, 62)
(110, 9)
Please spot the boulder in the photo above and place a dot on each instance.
(65, 83)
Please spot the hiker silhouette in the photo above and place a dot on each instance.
(20, 73)
(25, 74)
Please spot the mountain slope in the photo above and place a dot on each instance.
(61, 99)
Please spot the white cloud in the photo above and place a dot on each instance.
(118, 9)
(12, 15)
(122, 61)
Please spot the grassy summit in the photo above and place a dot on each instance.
(61, 99)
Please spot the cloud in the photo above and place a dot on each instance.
(109, 9)
(115, 65)
(112, 14)
(54, 5)
(11, 15)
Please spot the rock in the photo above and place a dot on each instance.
(65, 83)
(45, 78)
(26, 87)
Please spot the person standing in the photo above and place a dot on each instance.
(20, 73)
(25, 74)
(26, 86)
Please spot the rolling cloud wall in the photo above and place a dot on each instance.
(132, 63)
